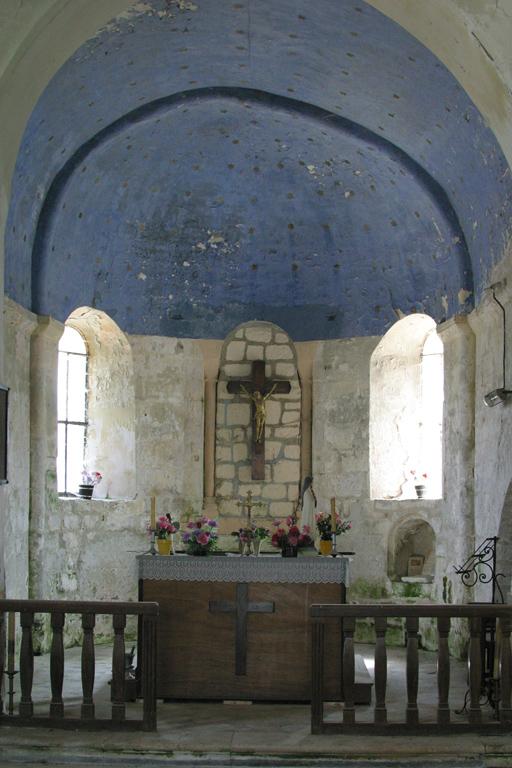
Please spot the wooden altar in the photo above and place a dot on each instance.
(238, 628)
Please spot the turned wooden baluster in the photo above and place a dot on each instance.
(443, 670)
(149, 672)
(411, 715)
(475, 670)
(117, 685)
(57, 665)
(349, 712)
(317, 676)
(26, 708)
(380, 714)
(506, 670)
(88, 666)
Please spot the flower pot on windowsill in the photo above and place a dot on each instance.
(420, 491)
(85, 491)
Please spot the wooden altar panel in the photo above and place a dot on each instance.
(196, 648)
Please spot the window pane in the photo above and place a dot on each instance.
(76, 387)
(61, 457)
(75, 458)
(72, 341)
(61, 386)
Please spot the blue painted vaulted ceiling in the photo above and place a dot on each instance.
(201, 164)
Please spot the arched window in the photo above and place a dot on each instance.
(102, 438)
(71, 410)
(406, 408)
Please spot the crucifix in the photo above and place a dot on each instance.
(259, 389)
(249, 504)
(241, 608)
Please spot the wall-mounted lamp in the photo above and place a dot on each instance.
(501, 394)
(496, 397)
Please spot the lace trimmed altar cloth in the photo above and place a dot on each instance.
(261, 569)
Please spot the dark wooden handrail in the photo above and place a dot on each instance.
(99, 607)
(427, 610)
(88, 610)
(476, 613)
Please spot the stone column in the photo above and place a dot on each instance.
(211, 350)
(14, 497)
(43, 442)
(458, 526)
(305, 355)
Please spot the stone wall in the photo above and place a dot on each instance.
(14, 497)
(79, 549)
(279, 492)
(493, 426)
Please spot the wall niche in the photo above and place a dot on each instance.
(412, 548)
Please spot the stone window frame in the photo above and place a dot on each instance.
(105, 341)
(391, 465)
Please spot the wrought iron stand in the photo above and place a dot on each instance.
(480, 567)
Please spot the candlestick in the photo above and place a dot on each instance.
(333, 515)
(153, 513)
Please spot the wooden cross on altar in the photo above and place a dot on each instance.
(241, 608)
(259, 389)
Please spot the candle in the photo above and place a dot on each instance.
(333, 515)
(10, 642)
(153, 513)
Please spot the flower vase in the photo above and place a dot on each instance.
(164, 546)
(197, 550)
(289, 551)
(325, 547)
(85, 491)
(256, 544)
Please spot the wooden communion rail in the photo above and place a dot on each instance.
(348, 614)
(147, 617)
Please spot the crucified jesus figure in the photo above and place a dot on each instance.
(259, 409)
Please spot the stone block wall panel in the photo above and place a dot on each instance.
(279, 492)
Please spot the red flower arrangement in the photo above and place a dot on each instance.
(288, 534)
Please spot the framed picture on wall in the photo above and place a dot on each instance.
(3, 434)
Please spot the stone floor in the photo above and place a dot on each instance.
(194, 734)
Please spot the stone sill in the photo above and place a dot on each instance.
(416, 579)
(94, 500)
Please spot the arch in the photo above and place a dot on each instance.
(406, 396)
(110, 441)
(411, 536)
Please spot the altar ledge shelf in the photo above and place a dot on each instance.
(238, 628)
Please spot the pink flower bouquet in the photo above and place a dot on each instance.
(200, 536)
